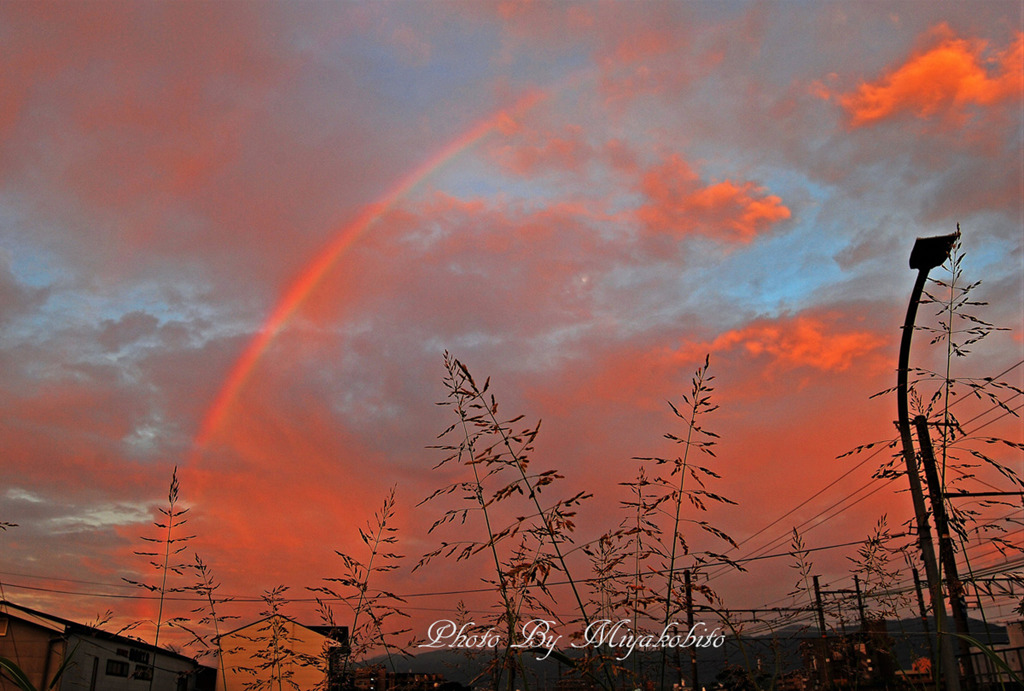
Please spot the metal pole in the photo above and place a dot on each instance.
(927, 254)
(860, 604)
(826, 650)
(954, 588)
(924, 619)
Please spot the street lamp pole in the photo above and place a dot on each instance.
(927, 254)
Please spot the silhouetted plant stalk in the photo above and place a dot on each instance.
(746, 676)
(935, 392)
(642, 537)
(803, 566)
(613, 575)
(495, 449)
(460, 399)
(959, 331)
(275, 656)
(558, 521)
(606, 558)
(672, 488)
(804, 586)
(635, 540)
(172, 545)
(206, 613)
(775, 645)
(879, 575)
(372, 607)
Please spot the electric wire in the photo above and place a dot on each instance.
(774, 543)
(757, 555)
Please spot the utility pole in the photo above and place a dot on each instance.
(927, 254)
(860, 603)
(924, 618)
(826, 650)
(954, 588)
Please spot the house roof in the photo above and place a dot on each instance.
(329, 632)
(68, 627)
(33, 617)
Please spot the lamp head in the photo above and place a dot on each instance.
(931, 252)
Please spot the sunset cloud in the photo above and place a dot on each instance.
(16, 297)
(821, 342)
(943, 82)
(579, 200)
(567, 151)
(680, 203)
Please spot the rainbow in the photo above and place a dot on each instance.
(315, 270)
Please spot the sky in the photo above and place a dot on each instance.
(237, 240)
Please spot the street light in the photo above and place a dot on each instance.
(927, 254)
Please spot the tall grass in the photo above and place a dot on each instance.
(965, 459)
(371, 607)
(959, 331)
(681, 482)
(206, 614)
(166, 556)
(525, 540)
(275, 658)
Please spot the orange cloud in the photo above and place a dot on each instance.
(942, 81)
(529, 151)
(548, 151)
(806, 341)
(680, 203)
(642, 44)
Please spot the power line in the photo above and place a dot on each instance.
(757, 555)
(813, 518)
(448, 593)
